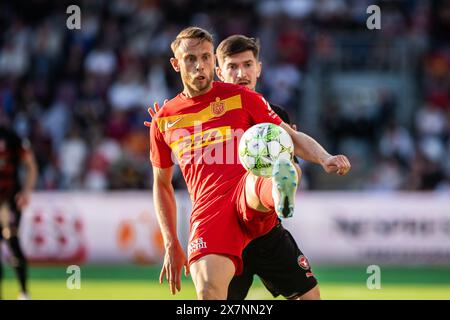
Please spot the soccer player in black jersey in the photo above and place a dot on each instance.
(14, 196)
(274, 257)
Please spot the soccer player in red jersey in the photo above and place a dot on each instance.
(201, 126)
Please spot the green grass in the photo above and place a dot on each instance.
(140, 282)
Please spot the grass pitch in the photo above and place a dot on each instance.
(141, 282)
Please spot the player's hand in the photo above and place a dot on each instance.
(338, 164)
(174, 260)
(23, 199)
(152, 112)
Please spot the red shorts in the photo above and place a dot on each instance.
(229, 228)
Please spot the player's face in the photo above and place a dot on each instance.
(195, 61)
(241, 68)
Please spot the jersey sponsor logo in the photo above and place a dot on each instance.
(309, 274)
(303, 262)
(200, 139)
(212, 110)
(196, 245)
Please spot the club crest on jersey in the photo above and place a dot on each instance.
(303, 262)
(217, 107)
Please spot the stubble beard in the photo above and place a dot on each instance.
(198, 88)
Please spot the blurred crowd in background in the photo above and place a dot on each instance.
(81, 96)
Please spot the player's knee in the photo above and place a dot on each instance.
(253, 200)
(208, 290)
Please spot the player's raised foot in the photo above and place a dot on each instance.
(284, 186)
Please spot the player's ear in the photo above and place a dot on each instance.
(175, 65)
(219, 73)
(259, 67)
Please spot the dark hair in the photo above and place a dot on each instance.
(191, 33)
(236, 44)
(281, 113)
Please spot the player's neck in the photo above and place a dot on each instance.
(190, 93)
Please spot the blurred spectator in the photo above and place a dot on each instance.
(105, 152)
(56, 122)
(117, 126)
(396, 142)
(14, 60)
(282, 81)
(387, 176)
(81, 95)
(72, 157)
(101, 61)
(425, 174)
(127, 92)
(430, 120)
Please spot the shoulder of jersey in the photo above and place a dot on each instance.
(228, 89)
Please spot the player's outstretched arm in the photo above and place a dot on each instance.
(310, 150)
(166, 213)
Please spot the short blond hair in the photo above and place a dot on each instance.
(191, 33)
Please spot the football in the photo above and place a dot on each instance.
(261, 145)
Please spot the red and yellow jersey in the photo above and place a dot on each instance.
(202, 135)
